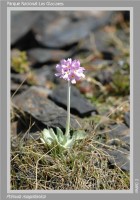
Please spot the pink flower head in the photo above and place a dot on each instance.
(70, 70)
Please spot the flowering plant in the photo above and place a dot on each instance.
(71, 71)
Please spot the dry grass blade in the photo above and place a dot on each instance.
(36, 187)
(18, 88)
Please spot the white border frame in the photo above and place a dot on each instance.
(9, 9)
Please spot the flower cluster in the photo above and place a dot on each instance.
(70, 70)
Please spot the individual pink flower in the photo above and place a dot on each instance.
(70, 70)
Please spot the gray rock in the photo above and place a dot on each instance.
(127, 119)
(18, 78)
(102, 41)
(41, 75)
(46, 74)
(104, 76)
(119, 139)
(118, 131)
(61, 31)
(21, 23)
(119, 159)
(99, 61)
(126, 139)
(40, 55)
(79, 105)
(17, 88)
(34, 102)
(123, 143)
(52, 28)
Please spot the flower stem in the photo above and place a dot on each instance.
(68, 109)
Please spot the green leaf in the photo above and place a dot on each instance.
(54, 137)
(60, 135)
(69, 143)
(42, 140)
(48, 136)
(79, 135)
(59, 131)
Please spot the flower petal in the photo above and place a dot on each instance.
(73, 81)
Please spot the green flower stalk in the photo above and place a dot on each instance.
(68, 110)
(71, 71)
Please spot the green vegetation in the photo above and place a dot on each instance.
(120, 83)
(19, 61)
(84, 167)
